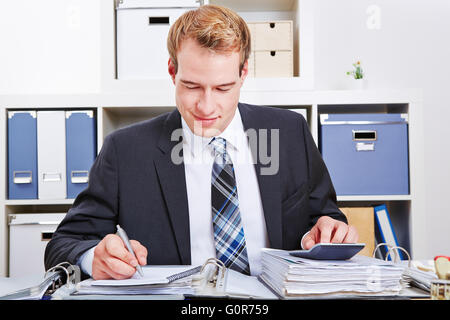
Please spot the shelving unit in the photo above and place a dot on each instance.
(299, 11)
(120, 103)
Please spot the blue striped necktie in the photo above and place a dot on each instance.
(228, 231)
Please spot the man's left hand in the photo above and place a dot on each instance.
(328, 230)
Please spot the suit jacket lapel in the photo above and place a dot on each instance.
(173, 184)
(269, 185)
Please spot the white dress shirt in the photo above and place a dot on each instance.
(198, 158)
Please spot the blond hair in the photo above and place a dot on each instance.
(214, 27)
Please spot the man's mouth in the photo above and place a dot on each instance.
(205, 122)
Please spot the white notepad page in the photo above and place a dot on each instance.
(152, 275)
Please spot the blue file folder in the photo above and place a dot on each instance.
(80, 149)
(22, 155)
(386, 232)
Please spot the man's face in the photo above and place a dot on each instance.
(207, 87)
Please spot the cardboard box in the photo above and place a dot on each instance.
(273, 64)
(272, 49)
(362, 218)
(269, 36)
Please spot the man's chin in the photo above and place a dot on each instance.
(207, 132)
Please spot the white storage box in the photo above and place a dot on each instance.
(366, 154)
(142, 27)
(28, 237)
(272, 49)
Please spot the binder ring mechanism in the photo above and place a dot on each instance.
(71, 273)
(212, 277)
(392, 253)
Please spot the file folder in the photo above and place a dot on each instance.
(80, 149)
(387, 233)
(22, 155)
(51, 137)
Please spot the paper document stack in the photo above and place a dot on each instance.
(292, 277)
(419, 274)
(176, 280)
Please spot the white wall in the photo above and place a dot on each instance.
(408, 47)
(49, 46)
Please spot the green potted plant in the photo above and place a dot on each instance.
(358, 74)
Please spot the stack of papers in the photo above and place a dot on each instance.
(292, 277)
(174, 281)
(156, 280)
(419, 274)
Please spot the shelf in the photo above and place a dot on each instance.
(257, 89)
(262, 5)
(405, 197)
(33, 202)
(164, 87)
(118, 117)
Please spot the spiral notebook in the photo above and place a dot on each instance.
(152, 275)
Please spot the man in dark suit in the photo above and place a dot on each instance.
(178, 211)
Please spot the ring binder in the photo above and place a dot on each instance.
(62, 276)
(211, 281)
(413, 276)
(72, 273)
(391, 252)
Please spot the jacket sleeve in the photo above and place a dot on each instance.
(93, 214)
(322, 196)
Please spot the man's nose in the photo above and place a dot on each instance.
(206, 104)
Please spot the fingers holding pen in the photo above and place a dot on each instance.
(113, 260)
(140, 251)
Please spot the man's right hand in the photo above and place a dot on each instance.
(113, 260)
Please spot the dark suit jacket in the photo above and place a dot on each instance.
(134, 183)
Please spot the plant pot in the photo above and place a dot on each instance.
(360, 84)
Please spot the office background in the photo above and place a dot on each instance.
(60, 53)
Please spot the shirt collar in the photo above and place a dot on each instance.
(233, 134)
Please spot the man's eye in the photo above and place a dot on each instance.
(223, 89)
(191, 88)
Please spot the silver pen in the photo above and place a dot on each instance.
(122, 234)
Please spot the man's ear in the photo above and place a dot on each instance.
(244, 71)
(171, 69)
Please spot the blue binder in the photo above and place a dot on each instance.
(22, 155)
(386, 232)
(80, 149)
